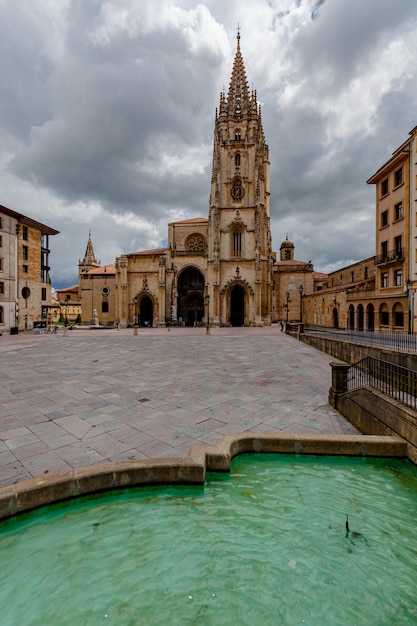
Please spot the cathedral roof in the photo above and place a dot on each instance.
(104, 269)
(292, 262)
(193, 220)
(148, 252)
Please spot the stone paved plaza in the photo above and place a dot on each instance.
(98, 395)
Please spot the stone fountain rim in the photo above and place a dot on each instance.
(188, 470)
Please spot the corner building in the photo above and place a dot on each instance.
(218, 269)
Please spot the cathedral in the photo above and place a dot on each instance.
(218, 271)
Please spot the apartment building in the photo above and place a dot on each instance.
(25, 286)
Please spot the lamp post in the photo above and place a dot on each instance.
(208, 314)
(287, 296)
(300, 289)
(135, 313)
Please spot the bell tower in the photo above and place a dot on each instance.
(240, 260)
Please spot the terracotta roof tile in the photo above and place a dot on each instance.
(291, 262)
(193, 220)
(148, 252)
(104, 269)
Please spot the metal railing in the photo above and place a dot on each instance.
(395, 339)
(393, 380)
(390, 256)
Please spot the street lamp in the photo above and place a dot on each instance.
(300, 289)
(135, 314)
(287, 296)
(208, 315)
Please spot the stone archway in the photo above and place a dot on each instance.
(335, 318)
(370, 314)
(190, 296)
(146, 311)
(351, 317)
(237, 306)
(360, 317)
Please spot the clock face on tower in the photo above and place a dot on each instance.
(237, 190)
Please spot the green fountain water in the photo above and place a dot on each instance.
(265, 545)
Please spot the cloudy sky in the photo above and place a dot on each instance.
(107, 115)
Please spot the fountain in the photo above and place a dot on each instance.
(268, 543)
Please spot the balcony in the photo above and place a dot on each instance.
(389, 257)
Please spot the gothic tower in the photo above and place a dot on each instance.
(240, 259)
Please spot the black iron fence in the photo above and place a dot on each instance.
(394, 380)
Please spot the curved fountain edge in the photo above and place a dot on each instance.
(37, 492)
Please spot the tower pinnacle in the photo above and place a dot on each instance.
(89, 261)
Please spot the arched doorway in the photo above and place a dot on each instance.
(237, 306)
(351, 317)
(190, 296)
(335, 318)
(398, 315)
(360, 316)
(383, 316)
(370, 312)
(146, 312)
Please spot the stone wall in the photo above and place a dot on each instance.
(374, 413)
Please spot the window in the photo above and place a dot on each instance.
(398, 177)
(384, 219)
(384, 318)
(1, 315)
(366, 271)
(398, 318)
(43, 293)
(1, 264)
(237, 160)
(105, 307)
(384, 279)
(25, 253)
(398, 210)
(398, 246)
(353, 277)
(237, 135)
(384, 187)
(25, 269)
(25, 233)
(25, 293)
(237, 242)
(384, 250)
(1, 223)
(398, 278)
(1, 287)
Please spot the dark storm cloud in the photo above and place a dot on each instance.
(107, 115)
(110, 111)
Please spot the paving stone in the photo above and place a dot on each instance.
(155, 397)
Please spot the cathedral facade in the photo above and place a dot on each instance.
(217, 270)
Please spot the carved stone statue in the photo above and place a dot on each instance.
(94, 321)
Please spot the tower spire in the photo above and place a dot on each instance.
(89, 261)
(238, 97)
